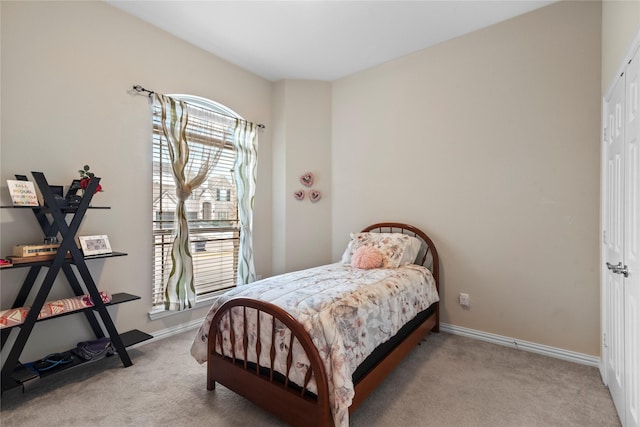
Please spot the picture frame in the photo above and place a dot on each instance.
(95, 245)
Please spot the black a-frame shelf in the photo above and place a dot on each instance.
(52, 218)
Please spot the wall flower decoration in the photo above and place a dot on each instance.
(314, 195)
(307, 179)
(85, 177)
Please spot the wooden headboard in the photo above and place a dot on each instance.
(427, 257)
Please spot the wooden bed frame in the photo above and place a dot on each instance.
(293, 403)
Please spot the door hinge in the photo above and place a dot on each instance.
(604, 340)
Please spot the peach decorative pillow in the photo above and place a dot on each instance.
(366, 258)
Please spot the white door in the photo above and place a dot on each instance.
(614, 244)
(632, 245)
(621, 243)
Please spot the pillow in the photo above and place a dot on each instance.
(396, 248)
(366, 258)
(411, 250)
(17, 316)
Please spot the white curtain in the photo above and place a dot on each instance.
(190, 170)
(245, 169)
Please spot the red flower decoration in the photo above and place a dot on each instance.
(85, 178)
(84, 184)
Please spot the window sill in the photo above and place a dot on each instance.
(160, 313)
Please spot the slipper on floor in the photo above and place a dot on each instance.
(51, 361)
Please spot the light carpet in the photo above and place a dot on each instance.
(448, 380)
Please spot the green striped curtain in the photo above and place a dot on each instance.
(189, 172)
(245, 168)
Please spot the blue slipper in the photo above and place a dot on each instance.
(51, 361)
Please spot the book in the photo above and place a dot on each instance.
(23, 193)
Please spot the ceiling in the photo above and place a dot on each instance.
(320, 40)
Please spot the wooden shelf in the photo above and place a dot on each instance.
(68, 260)
(65, 209)
(118, 298)
(22, 375)
(52, 219)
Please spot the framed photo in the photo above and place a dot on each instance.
(95, 245)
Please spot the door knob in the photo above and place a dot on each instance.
(614, 267)
(624, 271)
(618, 269)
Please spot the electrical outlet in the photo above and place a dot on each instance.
(464, 300)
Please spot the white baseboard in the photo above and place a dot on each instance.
(168, 332)
(558, 353)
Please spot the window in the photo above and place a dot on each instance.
(223, 194)
(212, 210)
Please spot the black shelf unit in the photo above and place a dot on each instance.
(52, 219)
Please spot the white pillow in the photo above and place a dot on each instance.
(411, 251)
(396, 248)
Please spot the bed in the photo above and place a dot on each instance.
(310, 346)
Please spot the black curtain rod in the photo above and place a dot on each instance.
(140, 89)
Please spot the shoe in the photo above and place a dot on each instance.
(51, 361)
(90, 350)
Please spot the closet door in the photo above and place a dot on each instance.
(632, 244)
(613, 234)
(621, 243)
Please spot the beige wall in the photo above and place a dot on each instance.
(495, 137)
(620, 24)
(67, 68)
(490, 143)
(302, 143)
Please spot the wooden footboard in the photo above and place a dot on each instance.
(291, 402)
(260, 384)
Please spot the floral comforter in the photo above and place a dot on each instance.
(347, 312)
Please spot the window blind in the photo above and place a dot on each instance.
(212, 210)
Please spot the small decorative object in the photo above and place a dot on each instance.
(57, 191)
(50, 240)
(314, 195)
(299, 195)
(307, 179)
(85, 177)
(23, 193)
(28, 250)
(72, 196)
(95, 245)
(74, 187)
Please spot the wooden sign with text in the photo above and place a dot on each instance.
(23, 193)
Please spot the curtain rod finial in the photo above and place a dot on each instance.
(139, 89)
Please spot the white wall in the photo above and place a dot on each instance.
(67, 71)
(490, 143)
(620, 24)
(302, 143)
